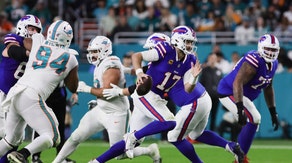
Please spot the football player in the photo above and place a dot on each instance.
(111, 115)
(50, 61)
(253, 73)
(191, 119)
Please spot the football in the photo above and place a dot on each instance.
(145, 87)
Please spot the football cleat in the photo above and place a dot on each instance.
(16, 157)
(235, 149)
(154, 153)
(93, 161)
(36, 159)
(245, 160)
(130, 142)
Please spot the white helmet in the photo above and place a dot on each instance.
(60, 33)
(180, 35)
(98, 48)
(155, 38)
(24, 22)
(269, 47)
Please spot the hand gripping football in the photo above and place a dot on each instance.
(145, 87)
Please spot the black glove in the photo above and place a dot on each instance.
(274, 116)
(241, 115)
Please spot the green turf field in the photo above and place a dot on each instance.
(262, 151)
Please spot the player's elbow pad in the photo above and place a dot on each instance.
(17, 52)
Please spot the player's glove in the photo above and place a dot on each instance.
(274, 116)
(241, 115)
(91, 104)
(83, 87)
(113, 92)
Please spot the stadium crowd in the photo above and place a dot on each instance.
(248, 19)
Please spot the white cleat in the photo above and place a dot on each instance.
(155, 155)
(93, 161)
(130, 144)
(237, 152)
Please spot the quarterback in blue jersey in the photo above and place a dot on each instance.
(169, 64)
(191, 119)
(253, 73)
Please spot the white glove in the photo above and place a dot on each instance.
(113, 92)
(82, 87)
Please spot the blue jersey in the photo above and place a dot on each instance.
(262, 78)
(167, 73)
(180, 97)
(10, 69)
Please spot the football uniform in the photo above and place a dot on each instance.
(192, 118)
(166, 72)
(263, 77)
(46, 68)
(10, 71)
(111, 115)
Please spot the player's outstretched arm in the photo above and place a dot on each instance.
(116, 91)
(71, 81)
(191, 76)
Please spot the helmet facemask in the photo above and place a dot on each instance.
(99, 48)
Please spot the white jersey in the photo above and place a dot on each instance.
(47, 66)
(119, 104)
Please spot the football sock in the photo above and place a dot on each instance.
(4, 159)
(154, 128)
(188, 150)
(114, 151)
(212, 138)
(246, 136)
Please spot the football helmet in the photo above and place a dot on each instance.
(269, 47)
(98, 48)
(60, 34)
(155, 38)
(180, 35)
(24, 22)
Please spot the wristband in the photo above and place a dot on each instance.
(193, 80)
(139, 70)
(272, 110)
(87, 89)
(239, 105)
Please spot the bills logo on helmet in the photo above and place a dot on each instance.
(181, 30)
(263, 38)
(158, 39)
(27, 17)
(184, 30)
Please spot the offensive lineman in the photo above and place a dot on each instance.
(253, 73)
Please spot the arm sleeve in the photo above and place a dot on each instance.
(17, 52)
(150, 55)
